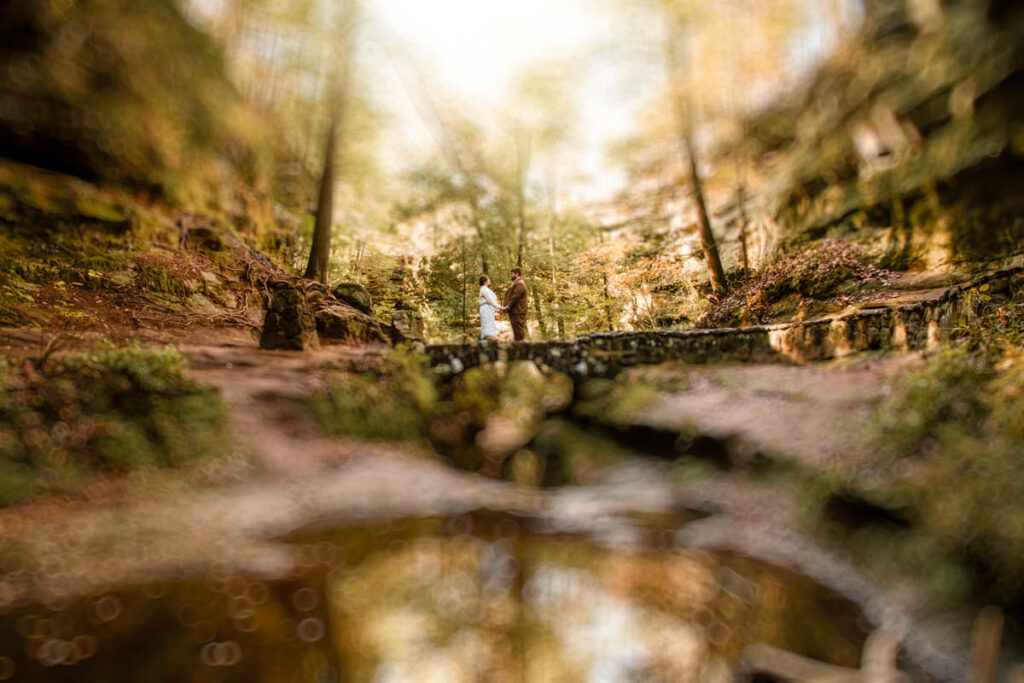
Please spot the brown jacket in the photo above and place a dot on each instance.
(515, 300)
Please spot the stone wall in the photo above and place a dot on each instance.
(916, 325)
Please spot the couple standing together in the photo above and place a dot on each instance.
(515, 304)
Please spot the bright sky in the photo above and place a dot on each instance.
(476, 46)
(471, 50)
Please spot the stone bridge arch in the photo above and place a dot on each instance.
(916, 325)
(604, 354)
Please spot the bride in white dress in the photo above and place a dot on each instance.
(488, 307)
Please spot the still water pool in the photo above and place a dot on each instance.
(476, 597)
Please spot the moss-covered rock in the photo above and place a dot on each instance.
(289, 323)
(393, 401)
(123, 92)
(406, 325)
(355, 295)
(338, 324)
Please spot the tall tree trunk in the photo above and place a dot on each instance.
(552, 218)
(320, 252)
(522, 230)
(359, 259)
(604, 289)
(540, 315)
(478, 226)
(309, 123)
(714, 264)
(272, 77)
(607, 302)
(707, 238)
(555, 300)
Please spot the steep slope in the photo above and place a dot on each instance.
(911, 139)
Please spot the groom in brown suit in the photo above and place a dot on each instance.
(517, 305)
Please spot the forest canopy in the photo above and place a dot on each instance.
(633, 157)
(464, 141)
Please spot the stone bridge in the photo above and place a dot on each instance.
(916, 325)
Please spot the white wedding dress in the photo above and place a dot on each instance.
(488, 306)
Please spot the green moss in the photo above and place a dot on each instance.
(9, 246)
(101, 209)
(903, 552)
(514, 398)
(887, 541)
(949, 390)
(572, 454)
(167, 120)
(392, 402)
(519, 391)
(615, 402)
(689, 470)
(89, 272)
(153, 228)
(107, 412)
(159, 280)
(952, 434)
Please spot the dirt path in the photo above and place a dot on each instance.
(813, 413)
(817, 414)
(266, 392)
(167, 529)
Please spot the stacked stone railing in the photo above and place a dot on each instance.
(918, 325)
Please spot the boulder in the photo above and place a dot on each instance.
(355, 295)
(341, 324)
(338, 321)
(406, 325)
(289, 323)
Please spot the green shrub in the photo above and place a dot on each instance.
(106, 412)
(949, 389)
(616, 402)
(392, 402)
(954, 432)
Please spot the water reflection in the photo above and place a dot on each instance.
(470, 598)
